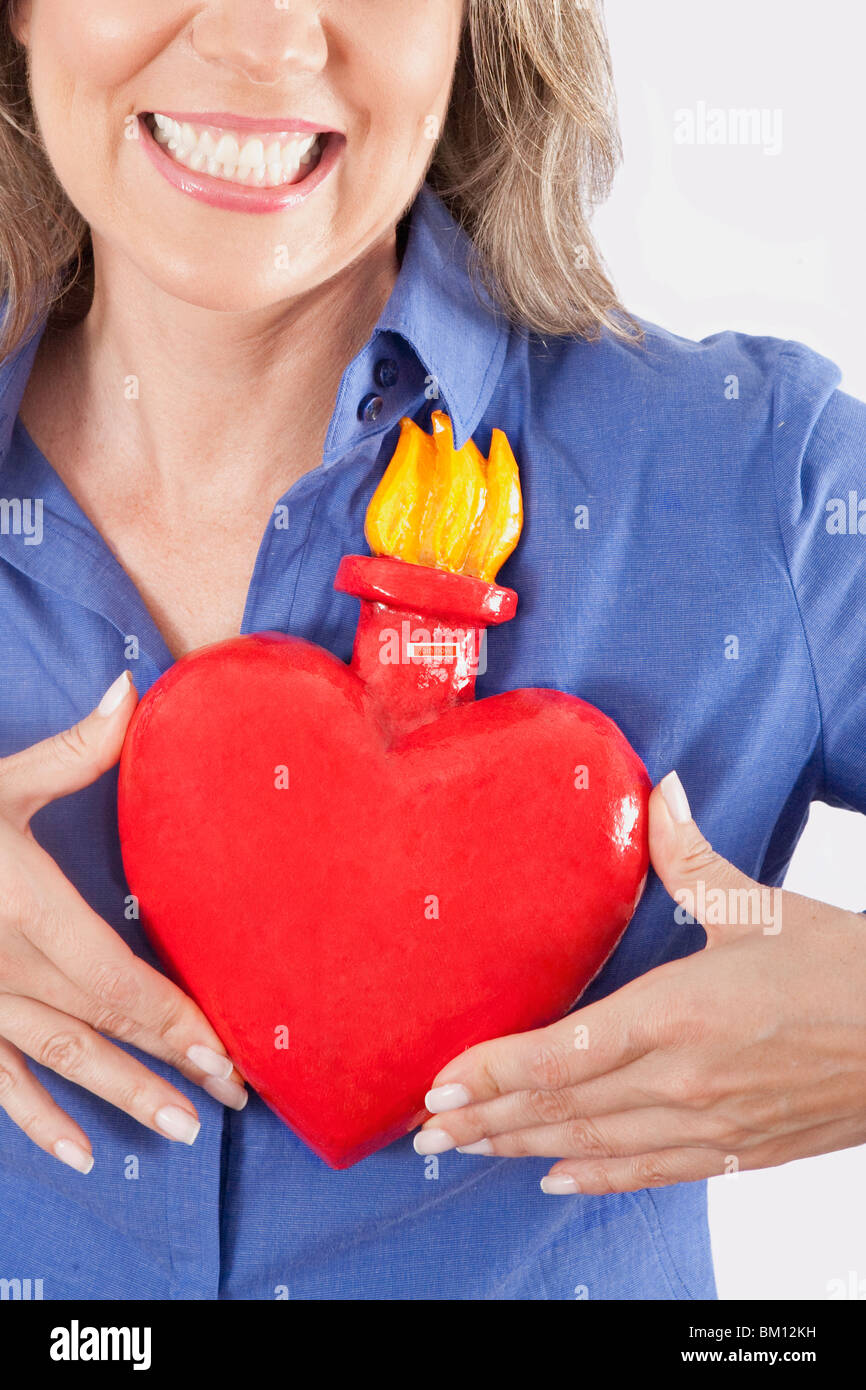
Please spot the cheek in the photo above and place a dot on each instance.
(85, 60)
(407, 66)
(102, 43)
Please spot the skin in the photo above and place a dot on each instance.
(231, 353)
(232, 343)
(752, 1050)
(68, 982)
(747, 1054)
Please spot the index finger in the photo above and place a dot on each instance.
(124, 988)
(584, 1045)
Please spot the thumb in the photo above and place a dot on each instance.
(710, 889)
(70, 759)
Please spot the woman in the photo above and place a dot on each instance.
(232, 263)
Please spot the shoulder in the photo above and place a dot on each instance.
(732, 390)
(668, 364)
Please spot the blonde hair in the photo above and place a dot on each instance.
(529, 146)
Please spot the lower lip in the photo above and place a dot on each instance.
(235, 197)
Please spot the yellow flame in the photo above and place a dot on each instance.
(448, 508)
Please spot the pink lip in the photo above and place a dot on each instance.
(229, 122)
(233, 197)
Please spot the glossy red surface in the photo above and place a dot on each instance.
(430, 876)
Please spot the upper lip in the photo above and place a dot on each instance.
(232, 122)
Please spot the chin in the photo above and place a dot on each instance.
(225, 285)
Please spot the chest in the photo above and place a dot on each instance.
(696, 673)
(192, 570)
(192, 559)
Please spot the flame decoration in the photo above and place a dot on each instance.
(447, 508)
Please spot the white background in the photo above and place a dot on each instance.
(700, 238)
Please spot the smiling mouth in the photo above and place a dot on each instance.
(244, 159)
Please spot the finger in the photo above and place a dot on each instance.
(725, 901)
(618, 1092)
(37, 1114)
(70, 1048)
(588, 1043)
(599, 1176)
(217, 1076)
(634, 1132)
(660, 1169)
(652, 1103)
(70, 759)
(578, 1135)
(122, 991)
(564, 1124)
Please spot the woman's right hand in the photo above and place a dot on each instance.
(68, 982)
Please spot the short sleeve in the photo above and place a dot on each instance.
(819, 438)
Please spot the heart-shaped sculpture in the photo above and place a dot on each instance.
(359, 871)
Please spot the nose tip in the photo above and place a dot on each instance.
(262, 43)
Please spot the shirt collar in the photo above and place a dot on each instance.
(447, 318)
(448, 321)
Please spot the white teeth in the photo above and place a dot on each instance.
(256, 163)
(227, 150)
(253, 153)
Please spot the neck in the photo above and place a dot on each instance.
(185, 397)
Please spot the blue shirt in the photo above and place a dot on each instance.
(684, 566)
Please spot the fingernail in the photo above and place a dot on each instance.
(226, 1092)
(675, 798)
(177, 1124)
(559, 1185)
(115, 694)
(209, 1061)
(446, 1098)
(78, 1158)
(432, 1141)
(481, 1146)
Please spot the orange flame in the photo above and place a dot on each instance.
(448, 508)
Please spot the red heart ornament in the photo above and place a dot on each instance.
(360, 871)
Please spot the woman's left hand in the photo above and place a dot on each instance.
(749, 1053)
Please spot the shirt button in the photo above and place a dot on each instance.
(369, 408)
(386, 372)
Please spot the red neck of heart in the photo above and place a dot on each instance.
(419, 642)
